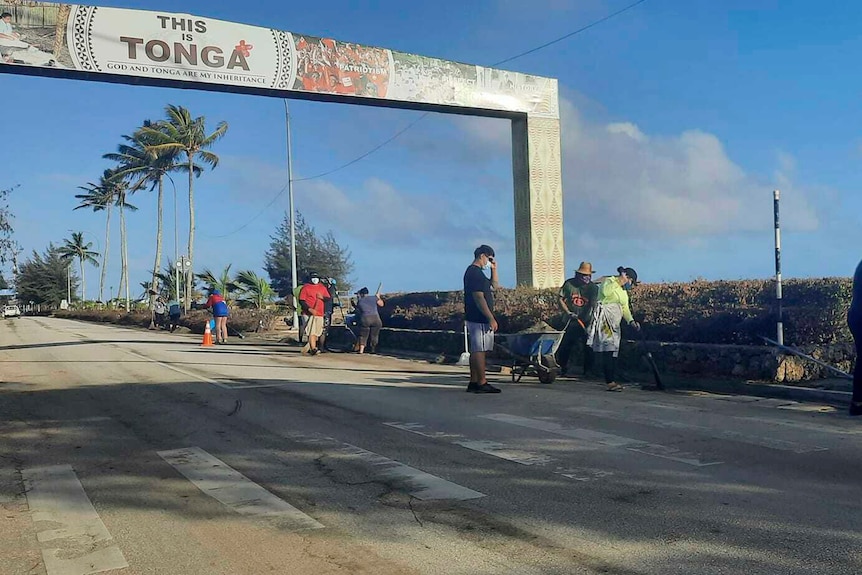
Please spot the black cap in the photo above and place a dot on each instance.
(363, 291)
(483, 250)
(630, 273)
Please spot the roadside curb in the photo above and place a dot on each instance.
(771, 390)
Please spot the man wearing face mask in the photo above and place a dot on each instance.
(604, 332)
(577, 298)
(479, 315)
(312, 298)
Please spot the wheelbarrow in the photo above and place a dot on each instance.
(532, 353)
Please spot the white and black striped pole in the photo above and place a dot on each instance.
(780, 326)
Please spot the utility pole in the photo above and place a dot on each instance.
(293, 273)
(776, 196)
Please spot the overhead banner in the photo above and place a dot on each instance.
(187, 48)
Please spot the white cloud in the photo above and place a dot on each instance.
(616, 177)
(379, 213)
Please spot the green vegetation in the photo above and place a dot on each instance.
(78, 248)
(314, 252)
(42, 278)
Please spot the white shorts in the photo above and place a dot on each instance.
(314, 326)
(481, 336)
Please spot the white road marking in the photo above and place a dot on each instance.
(237, 492)
(176, 369)
(492, 448)
(418, 483)
(606, 439)
(422, 485)
(55, 496)
(738, 436)
(502, 451)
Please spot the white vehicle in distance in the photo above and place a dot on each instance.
(11, 311)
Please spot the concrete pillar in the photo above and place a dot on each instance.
(537, 166)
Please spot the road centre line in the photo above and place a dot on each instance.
(501, 451)
(737, 436)
(233, 489)
(176, 369)
(606, 439)
(55, 496)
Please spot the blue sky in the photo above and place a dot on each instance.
(679, 118)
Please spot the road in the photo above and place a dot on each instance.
(134, 452)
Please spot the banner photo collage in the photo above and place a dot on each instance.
(203, 50)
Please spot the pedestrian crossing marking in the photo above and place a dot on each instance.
(234, 490)
(57, 498)
(605, 439)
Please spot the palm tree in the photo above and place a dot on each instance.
(186, 135)
(76, 247)
(141, 165)
(100, 197)
(167, 280)
(255, 289)
(119, 190)
(223, 282)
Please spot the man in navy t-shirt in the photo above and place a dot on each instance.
(479, 315)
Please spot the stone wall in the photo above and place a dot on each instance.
(745, 362)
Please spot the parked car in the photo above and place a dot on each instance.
(11, 311)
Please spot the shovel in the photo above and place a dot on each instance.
(465, 357)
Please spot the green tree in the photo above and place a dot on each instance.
(78, 248)
(3, 283)
(121, 193)
(143, 165)
(42, 278)
(187, 136)
(8, 246)
(314, 252)
(222, 282)
(254, 289)
(167, 281)
(99, 197)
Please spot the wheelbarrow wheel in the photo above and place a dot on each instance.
(547, 376)
(547, 373)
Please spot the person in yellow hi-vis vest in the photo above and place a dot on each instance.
(604, 330)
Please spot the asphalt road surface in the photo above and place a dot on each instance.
(134, 452)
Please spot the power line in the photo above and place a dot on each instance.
(425, 115)
(570, 34)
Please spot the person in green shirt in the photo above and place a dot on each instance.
(604, 332)
(577, 298)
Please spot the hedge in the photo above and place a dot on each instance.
(716, 312)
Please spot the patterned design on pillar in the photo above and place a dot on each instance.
(546, 199)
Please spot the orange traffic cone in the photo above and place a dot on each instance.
(208, 337)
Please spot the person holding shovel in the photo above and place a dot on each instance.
(577, 298)
(604, 332)
(369, 320)
(854, 321)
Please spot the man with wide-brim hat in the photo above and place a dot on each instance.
(577, 298)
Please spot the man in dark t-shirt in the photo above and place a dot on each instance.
(578, 299)
(479, 315)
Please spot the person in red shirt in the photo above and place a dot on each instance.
(312, 298)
